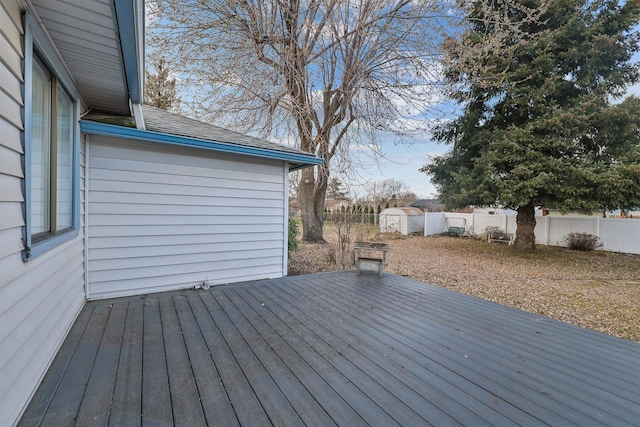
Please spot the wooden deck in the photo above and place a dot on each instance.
(332, 349)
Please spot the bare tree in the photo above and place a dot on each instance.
(388, 190)
(331, 73)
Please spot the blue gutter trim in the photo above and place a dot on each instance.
(127, 20)
(298, 160)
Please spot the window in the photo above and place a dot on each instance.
(51, 148)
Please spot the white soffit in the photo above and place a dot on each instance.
(85, 34)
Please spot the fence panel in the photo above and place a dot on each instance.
(620, 235)
(560, 226)
(617, 235)
(480, 222)
(433, 223)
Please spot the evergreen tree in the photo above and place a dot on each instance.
(160, 88)
(539, 128)
(336, 190)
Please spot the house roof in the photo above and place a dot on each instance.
(425, 203)
(101, 44)
(168, 128)
(158, 120)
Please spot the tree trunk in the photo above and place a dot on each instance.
(526, 224)
(312, 196)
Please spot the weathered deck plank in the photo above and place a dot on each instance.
(156, 396)
(185, 399)
(127, 393)
(50, 383)
(273, 401)
(304, 404)
(240, 392)
(96, 401)
(435, 395)
(214, 399)
(454, 350)
(66, 403)
(333, 349)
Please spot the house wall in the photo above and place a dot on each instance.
(39, 299)
(166, 217)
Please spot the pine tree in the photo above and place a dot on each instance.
(540, 128)
(160, 89)
(336, 190)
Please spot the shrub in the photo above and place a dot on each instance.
(293, 236)
(582, 241)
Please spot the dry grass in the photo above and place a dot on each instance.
(596, 290)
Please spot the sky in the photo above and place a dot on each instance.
(402, 162)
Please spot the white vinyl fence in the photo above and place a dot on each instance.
(617, 235)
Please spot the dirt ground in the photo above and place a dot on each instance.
(597, 290)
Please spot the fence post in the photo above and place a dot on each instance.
(546, 229)
(598, 226)
(425, 224)
(504, 223)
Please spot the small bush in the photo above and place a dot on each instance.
(293, 236)
(582, 242)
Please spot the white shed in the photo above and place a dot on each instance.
(402, 220)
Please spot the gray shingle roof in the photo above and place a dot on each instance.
(157, 120)
(165, 127)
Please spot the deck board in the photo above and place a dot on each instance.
(471, 359)
(156, 396)
(238, 388)
(50, 383)
(539, 371)
(332, 349)
(127, 393)
(214, 399)
(293, 355)
(65, 404)
(185, 399)
(273, 401)
(304, 404)
(433, 394)
(96, 401)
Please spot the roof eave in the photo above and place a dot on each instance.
(296, 161)
(130, 22)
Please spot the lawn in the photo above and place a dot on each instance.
(596, 290)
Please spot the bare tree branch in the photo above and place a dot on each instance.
(329, 72)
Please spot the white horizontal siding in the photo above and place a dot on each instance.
(10, 57)
(164, 217)
(120, 243)
(38, 307)
(40, 299)
(11, 85)
(11, 136)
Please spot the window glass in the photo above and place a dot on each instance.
(64, 194)
(51, 138)
(40, 150)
